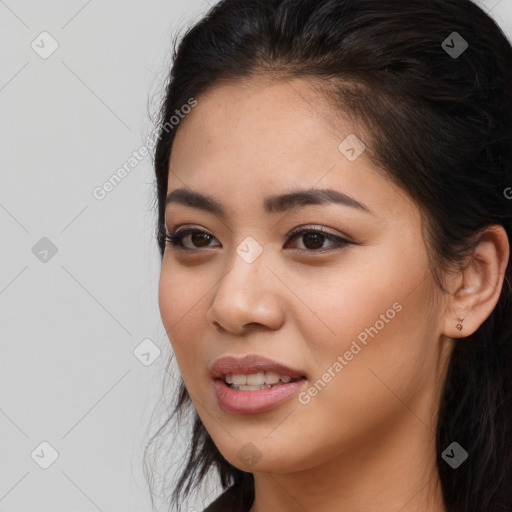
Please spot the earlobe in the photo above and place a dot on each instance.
(478, 285)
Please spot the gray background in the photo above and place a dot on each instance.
(71, 321)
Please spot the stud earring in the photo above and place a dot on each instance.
(459, 325)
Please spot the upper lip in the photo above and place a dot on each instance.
(246, 365)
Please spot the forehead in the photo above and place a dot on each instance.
(245, 116)
(274, 125)
(244, 141)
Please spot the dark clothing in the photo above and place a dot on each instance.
(226, 502)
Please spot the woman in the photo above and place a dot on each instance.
(334, 218)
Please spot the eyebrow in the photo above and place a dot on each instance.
(271, 204)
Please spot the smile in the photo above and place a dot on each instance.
(253, 384)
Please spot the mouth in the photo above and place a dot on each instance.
(253, 370)
(257, 381)
(253, 384)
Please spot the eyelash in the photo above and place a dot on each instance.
(175, 240)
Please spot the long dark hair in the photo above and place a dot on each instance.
(437, 117)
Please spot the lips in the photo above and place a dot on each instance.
(250, 364)
(269, 384)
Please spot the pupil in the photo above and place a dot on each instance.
(204, 236)
(316, 238)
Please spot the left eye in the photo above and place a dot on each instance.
(313, 239)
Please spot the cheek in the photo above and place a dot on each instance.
(183, 301)
(376, 348)
(361, 300)
(362, 394)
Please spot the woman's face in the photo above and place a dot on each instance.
(360, 320)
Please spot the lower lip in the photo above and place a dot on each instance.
(250, 402)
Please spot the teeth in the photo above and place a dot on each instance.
(252, 388)
(271, 378)
(239, 379)
(255, 379)
(260, 380)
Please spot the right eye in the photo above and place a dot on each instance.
(198, 238)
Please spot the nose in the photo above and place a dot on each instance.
(247, 295)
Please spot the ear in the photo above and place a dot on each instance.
(475, 290)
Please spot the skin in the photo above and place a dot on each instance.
(366, 441)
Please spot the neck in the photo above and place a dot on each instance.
(395, 471)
